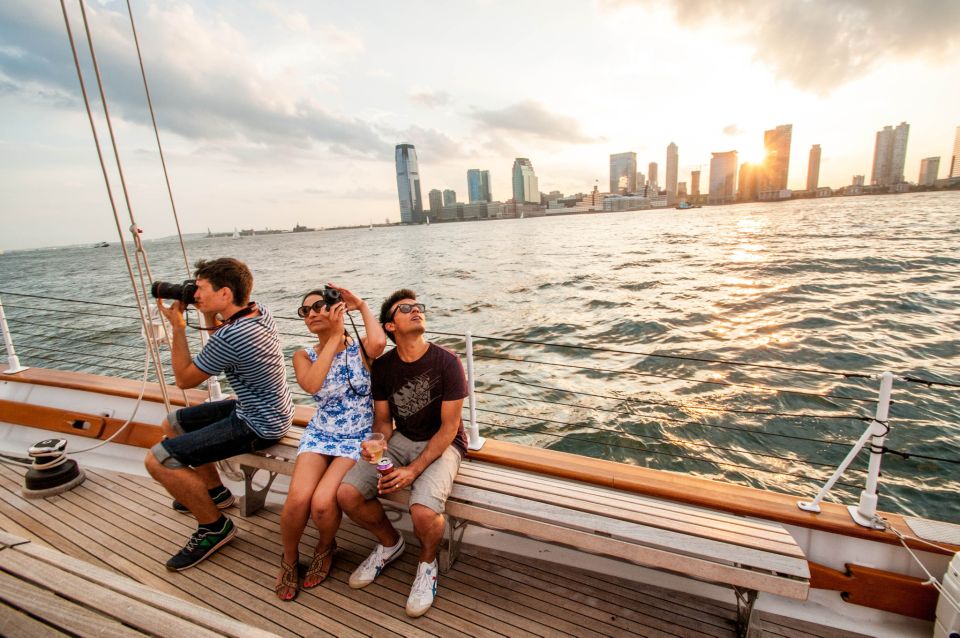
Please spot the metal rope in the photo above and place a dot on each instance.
(671, 420)
(648, 451)
(850, 375)
(678, 378)
(657, 438)
(697, 406)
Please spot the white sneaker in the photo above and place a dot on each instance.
(424, 589)
(374, 564)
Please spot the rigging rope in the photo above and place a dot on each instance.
(154, 349)
(156, 132)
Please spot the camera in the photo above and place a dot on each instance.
(331, 297)
(183, 293)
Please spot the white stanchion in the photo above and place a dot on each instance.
(12, 360)
(475, 441)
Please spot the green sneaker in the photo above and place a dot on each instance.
(222, 498)
(203, 543)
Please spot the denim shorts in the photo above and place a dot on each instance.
(430, 489)
(207, 433)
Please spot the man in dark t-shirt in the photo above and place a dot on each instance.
(418, 388)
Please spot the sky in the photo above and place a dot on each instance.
(277, 113)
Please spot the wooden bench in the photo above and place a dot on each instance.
(72, 597)
(748, 555)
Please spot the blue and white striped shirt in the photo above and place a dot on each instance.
(248, 352)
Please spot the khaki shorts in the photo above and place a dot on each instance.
(430, 489)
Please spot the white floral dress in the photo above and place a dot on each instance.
(344, 414)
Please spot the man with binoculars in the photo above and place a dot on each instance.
(245, 346)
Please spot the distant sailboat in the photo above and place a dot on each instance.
(209, 234)
(236, 233)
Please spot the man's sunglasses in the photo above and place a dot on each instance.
(407, 308)
(316, 306)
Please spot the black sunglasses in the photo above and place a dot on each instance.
(407, 308)
(316, 306)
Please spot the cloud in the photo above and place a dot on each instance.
(532, 118)
(732, 130)
(429, 98)
(432, 144)
(205, 83)
(820, 45)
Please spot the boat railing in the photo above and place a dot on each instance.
(767, 424)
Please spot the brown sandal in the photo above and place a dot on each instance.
(316, 573)
(288, 583)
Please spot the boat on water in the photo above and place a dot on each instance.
(101, 244)
(635, 569)
(686, 206)
(863, 581)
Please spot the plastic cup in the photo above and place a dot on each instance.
(374, 444)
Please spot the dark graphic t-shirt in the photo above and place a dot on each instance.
(416, 390)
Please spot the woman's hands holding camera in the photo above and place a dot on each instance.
(352, 301)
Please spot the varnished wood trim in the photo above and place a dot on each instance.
(878, 589)
(126, 388)
(673, 486)
(137, 434)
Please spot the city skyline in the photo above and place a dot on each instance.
(291, 112)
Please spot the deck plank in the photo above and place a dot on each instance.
(124, 523)
(16, 624)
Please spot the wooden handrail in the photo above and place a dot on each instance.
(683, 488)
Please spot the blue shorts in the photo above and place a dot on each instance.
(207, 433)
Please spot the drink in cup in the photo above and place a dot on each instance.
(374, 444)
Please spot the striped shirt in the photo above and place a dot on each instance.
(248, 352)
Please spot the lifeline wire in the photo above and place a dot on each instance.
(696, 406)
(849, 375)
(677, 378)
(647, 450)
(671, 420)
(660, 439)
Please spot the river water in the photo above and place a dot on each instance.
(857, 285)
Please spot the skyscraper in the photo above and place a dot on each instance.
(652, 176)
(436, 202)
(889, 155)
(813, 168)
(695, 185)
(748, 182)
(723, 177)
(408, 184)
(672, 164)
(526, 187)
(641, 181)
(449, 197)
(623, 173)
(929, 168)
(955, 160)
(776, 163)
(478, 185)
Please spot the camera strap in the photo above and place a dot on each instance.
(249, 309)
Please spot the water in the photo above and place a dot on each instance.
(860, 285)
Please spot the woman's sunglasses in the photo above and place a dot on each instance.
(407, 308)
(316, 306)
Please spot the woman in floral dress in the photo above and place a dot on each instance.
(336, 371)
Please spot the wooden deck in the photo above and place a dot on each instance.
(124, 524)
